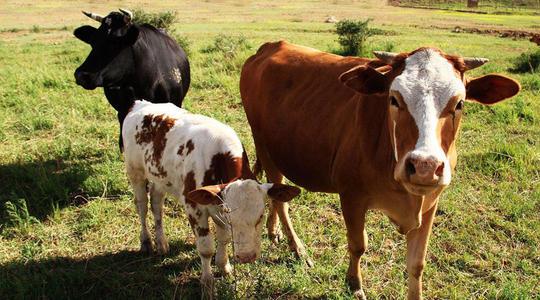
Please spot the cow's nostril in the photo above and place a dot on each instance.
(440, 170)
(409, 168)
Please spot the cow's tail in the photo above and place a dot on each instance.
(257, 167)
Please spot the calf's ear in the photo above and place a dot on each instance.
(206, 195)
(85, 33)
(365, 80)
(281, 192)
(491, 89)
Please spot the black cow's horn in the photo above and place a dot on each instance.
(386, 57)
(126, 13)
(474, 62)
(93, 16)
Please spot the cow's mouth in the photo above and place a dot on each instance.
(421, 189)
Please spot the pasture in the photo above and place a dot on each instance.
(68, 226)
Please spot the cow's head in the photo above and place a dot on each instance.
(426, 90)
(110, 61)
(241, 204)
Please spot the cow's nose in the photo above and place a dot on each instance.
(81, 78)
(424, 170)
(246, 257)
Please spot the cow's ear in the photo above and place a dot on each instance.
(491, 89)
(281, 192)
(365, 80)
(131, 36)
(206, 195)
(86, 33)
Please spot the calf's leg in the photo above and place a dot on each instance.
(141, 202)
(156, 201)
(417, 241)
(354, 213)
(222, 259)
(198, 219)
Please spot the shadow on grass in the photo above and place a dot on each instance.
(45, 184)
(120, 275)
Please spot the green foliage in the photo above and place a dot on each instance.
(227, 45)
(183, 41)
(163, 19)
(17, 214)
(527, 63)
(352, 36)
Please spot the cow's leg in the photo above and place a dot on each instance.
(354, 214)
(156, 201)
(222, 259)
(417, 241)
(141, 202)
(275, 176)
(198, 219)
(280, 209)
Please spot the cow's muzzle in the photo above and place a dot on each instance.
(87, 80)
(421, 174)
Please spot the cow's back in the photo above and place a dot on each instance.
(299, 111)
(169, 145)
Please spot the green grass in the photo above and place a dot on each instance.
(71, 229)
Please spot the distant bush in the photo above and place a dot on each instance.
(352, 36)
(162, 19)
(183, 41)
(227, 45)
(527, 63)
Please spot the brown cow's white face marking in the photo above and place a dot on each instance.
(427, 85)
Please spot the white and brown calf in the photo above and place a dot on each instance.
(200, 162)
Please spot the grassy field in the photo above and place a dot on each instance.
(68, 227)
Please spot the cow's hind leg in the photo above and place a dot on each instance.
(354, 216)
(417, 241)
(141, 202)
(156, 201)
(280, 209)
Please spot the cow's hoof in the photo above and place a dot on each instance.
(162, 247)
(226, 270)
(301, 253)
(359, 294)
(275, 237)
(207, 287)
(146, 247)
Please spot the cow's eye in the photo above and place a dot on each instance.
(459, 105)
(394, 102)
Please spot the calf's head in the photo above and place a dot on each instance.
(110, 61)
(425, 92)
(241, 204)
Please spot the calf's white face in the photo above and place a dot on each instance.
(241, 205)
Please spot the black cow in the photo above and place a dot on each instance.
(131, 62)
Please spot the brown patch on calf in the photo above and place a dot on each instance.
(189, 185)
(180, 150)
(153, 130)
(190, 146)
(225, 168)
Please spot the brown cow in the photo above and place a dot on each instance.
(382, 138)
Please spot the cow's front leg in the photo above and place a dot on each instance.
(156, 202)
(417, 241)
(295, 244)
(198, 220)
(354, 215)
(222, 259)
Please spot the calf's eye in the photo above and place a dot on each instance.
(459, 105)
(394, 102)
